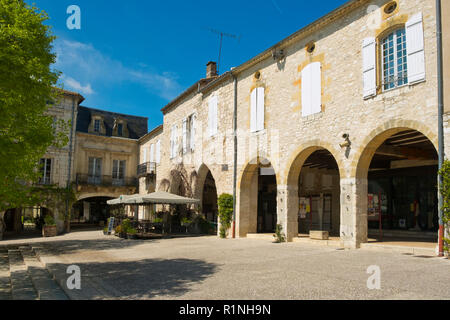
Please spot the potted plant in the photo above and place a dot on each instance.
(49, 228)
(185, 222)
(132, 234)
(118, 231)
(105, 232)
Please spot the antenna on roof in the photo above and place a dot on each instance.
(221, 35)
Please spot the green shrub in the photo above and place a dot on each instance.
(445, 191)
(279, 235)
(126, 225)
(132, 231)
(225, 204)
(186, 221)
(49, 221)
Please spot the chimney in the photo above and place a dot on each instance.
(211, 70)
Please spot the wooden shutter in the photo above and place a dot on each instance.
(369, 68)
(192, 138)
(312, 89)
(152, 153)
(185, 136)
(415, 49)
(253, 111)
(316, 87)
(144, 160)
(260, 111)
(158, 152)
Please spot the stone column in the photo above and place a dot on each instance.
(353, 212)
(288, 207)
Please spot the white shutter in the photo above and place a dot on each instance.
(369, 68)
(184, 136)
(306, 91)
(253, 111)
(173, 142)
(144, 160)
(312, 89)
(152, 153)
(158, 152)
(192, 139)
(260, 112)
(176, 146)
(415, 49)
(316, 87)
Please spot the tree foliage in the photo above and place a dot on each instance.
(225, 204)
(27, 85)
(445, 191)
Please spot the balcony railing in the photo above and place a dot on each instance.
(145, 169)
(105, 181)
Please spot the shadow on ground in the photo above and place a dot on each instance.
(145, 279)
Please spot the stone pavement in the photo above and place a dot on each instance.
(241, 269)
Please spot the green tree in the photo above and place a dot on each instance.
(445, 190)
(225, 204)
(27, 89)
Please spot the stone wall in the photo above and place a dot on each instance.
(289, 138)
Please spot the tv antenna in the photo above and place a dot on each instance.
(221, 35)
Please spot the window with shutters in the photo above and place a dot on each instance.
(95, 171)
(173, 142)
(394, 63)
(191, 133)
(152, 153)
(257, 109)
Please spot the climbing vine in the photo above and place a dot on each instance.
(225, 204)
(445, 191)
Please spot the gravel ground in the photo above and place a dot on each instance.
(208, 268)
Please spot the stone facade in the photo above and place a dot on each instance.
(288, 138)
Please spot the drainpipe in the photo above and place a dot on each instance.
(69, 175)
(440, 121)
(235, 153)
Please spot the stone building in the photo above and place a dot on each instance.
(57, 168)
(336, 126)
(106, 161)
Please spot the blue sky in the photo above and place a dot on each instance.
(135, 56)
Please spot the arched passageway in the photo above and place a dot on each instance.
(402, 187)
(258, 199)
(24, 222)
(92, 211)
(313, 196)
(209, 199)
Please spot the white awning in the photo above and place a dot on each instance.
(153, 198)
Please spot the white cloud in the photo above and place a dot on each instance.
(90, 66)
(76, 86)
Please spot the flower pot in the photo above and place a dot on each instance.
(49, 231)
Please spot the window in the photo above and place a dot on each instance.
(395, 67)
(97, 125)
(192, 132)
(118, 173)
(95, 171)
(257, 110)
(152, 153)
(120, 129)
(46, 170)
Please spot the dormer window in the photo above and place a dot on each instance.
(120, 129)
(97, 126)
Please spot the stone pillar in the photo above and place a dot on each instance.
(288, 207)
(353, 212)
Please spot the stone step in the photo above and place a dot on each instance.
(5, 277)
(90, 287)
(21, 285)
(45, 286)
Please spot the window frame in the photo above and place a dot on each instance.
(382, 40)
(46, 177)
